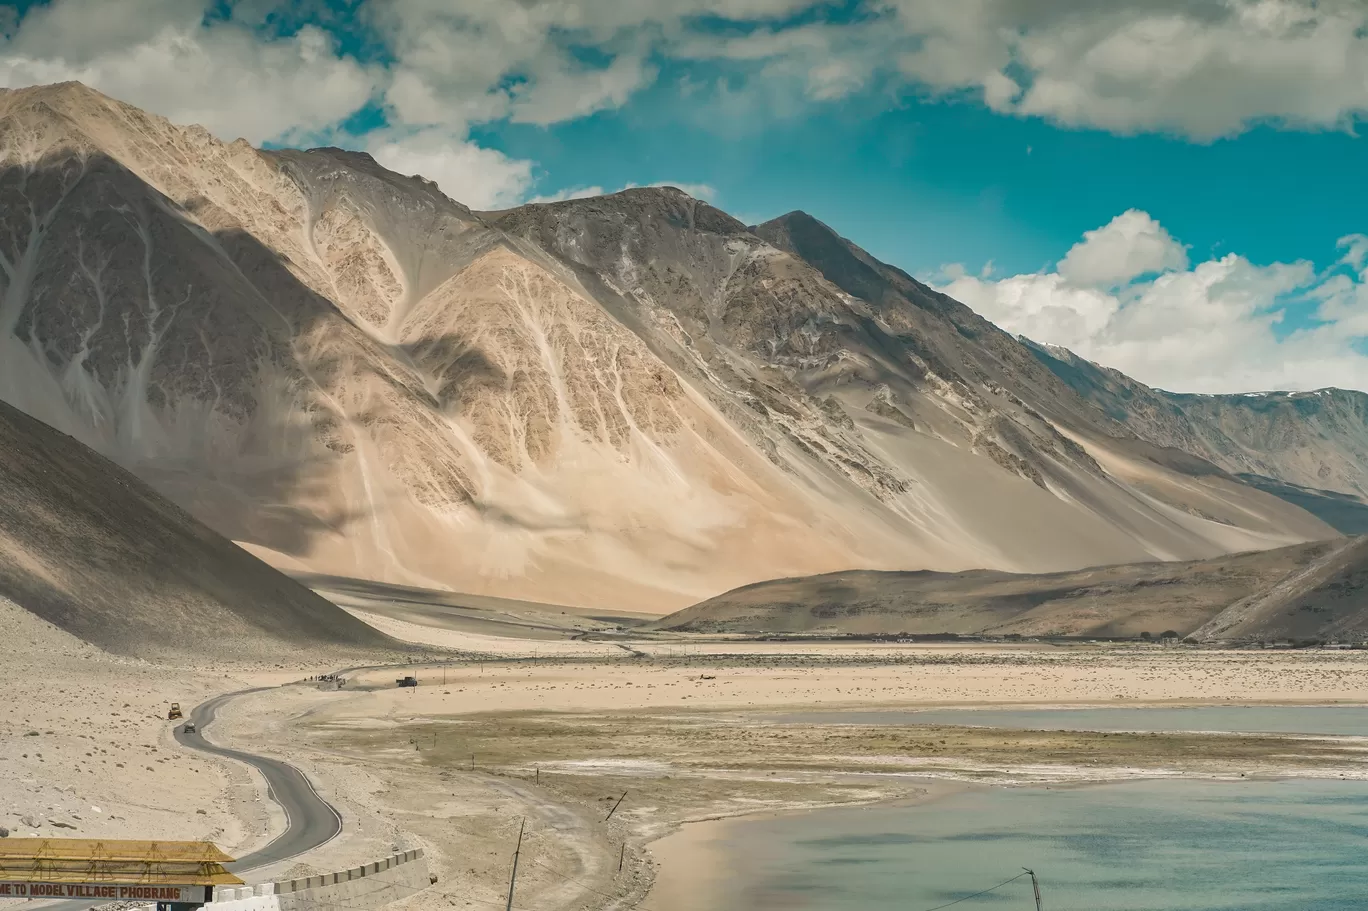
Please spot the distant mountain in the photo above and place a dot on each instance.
(1308, 591)
(90, 548)
(1310, 448)
(1325, 599)
(632, 400)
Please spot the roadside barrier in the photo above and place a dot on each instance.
(369, 886)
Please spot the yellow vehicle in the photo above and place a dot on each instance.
(174, 713)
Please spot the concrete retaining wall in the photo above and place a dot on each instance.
(361, 888)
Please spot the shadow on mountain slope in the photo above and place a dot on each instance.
(170, 349)
(88, 547)
(1344, 512)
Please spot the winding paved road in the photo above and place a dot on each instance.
(310, 821)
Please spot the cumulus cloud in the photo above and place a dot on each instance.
(540, 63)
(1355, 248)
(577, 92)
(1200, 69)
(1130, 245)
(1223, 325)
(478, 177)
(1205, 69)
(271, 70)
(163, 56)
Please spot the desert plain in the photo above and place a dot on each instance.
(597, 747)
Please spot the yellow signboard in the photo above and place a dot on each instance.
(92, 863)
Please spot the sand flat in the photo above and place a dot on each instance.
(680, 726)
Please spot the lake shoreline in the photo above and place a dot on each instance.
(697, 863)
(691, 860)
(683, 854)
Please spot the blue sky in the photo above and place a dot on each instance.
(940, 181)
(1210, 144)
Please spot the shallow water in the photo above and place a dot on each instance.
(1138, 846)
(1342, 720)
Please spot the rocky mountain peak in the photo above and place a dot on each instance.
(59, 95)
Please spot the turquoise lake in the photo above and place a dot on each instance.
(1138, 846)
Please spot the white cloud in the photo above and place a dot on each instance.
(157, 54)
(1203, 68)
(575, 92)
(1217, 326)
(528, 61)
(1355, 247)
(1131, 245)
(816, 61)
(478, 177)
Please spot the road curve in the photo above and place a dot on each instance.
(310, 821)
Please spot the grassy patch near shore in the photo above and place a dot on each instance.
(657, 745)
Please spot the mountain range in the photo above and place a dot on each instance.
(631, 401)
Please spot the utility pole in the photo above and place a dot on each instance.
(615, 806)
(514, 878)
(1035, 884)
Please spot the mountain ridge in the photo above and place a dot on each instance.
(1304, 592)
(632, 400)
(1308, 447)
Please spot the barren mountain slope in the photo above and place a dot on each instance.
(93, 550)
(1104, 601)
(1326, 599)
(627, 401)
(1309, 448)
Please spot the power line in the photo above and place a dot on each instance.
(977, 894)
